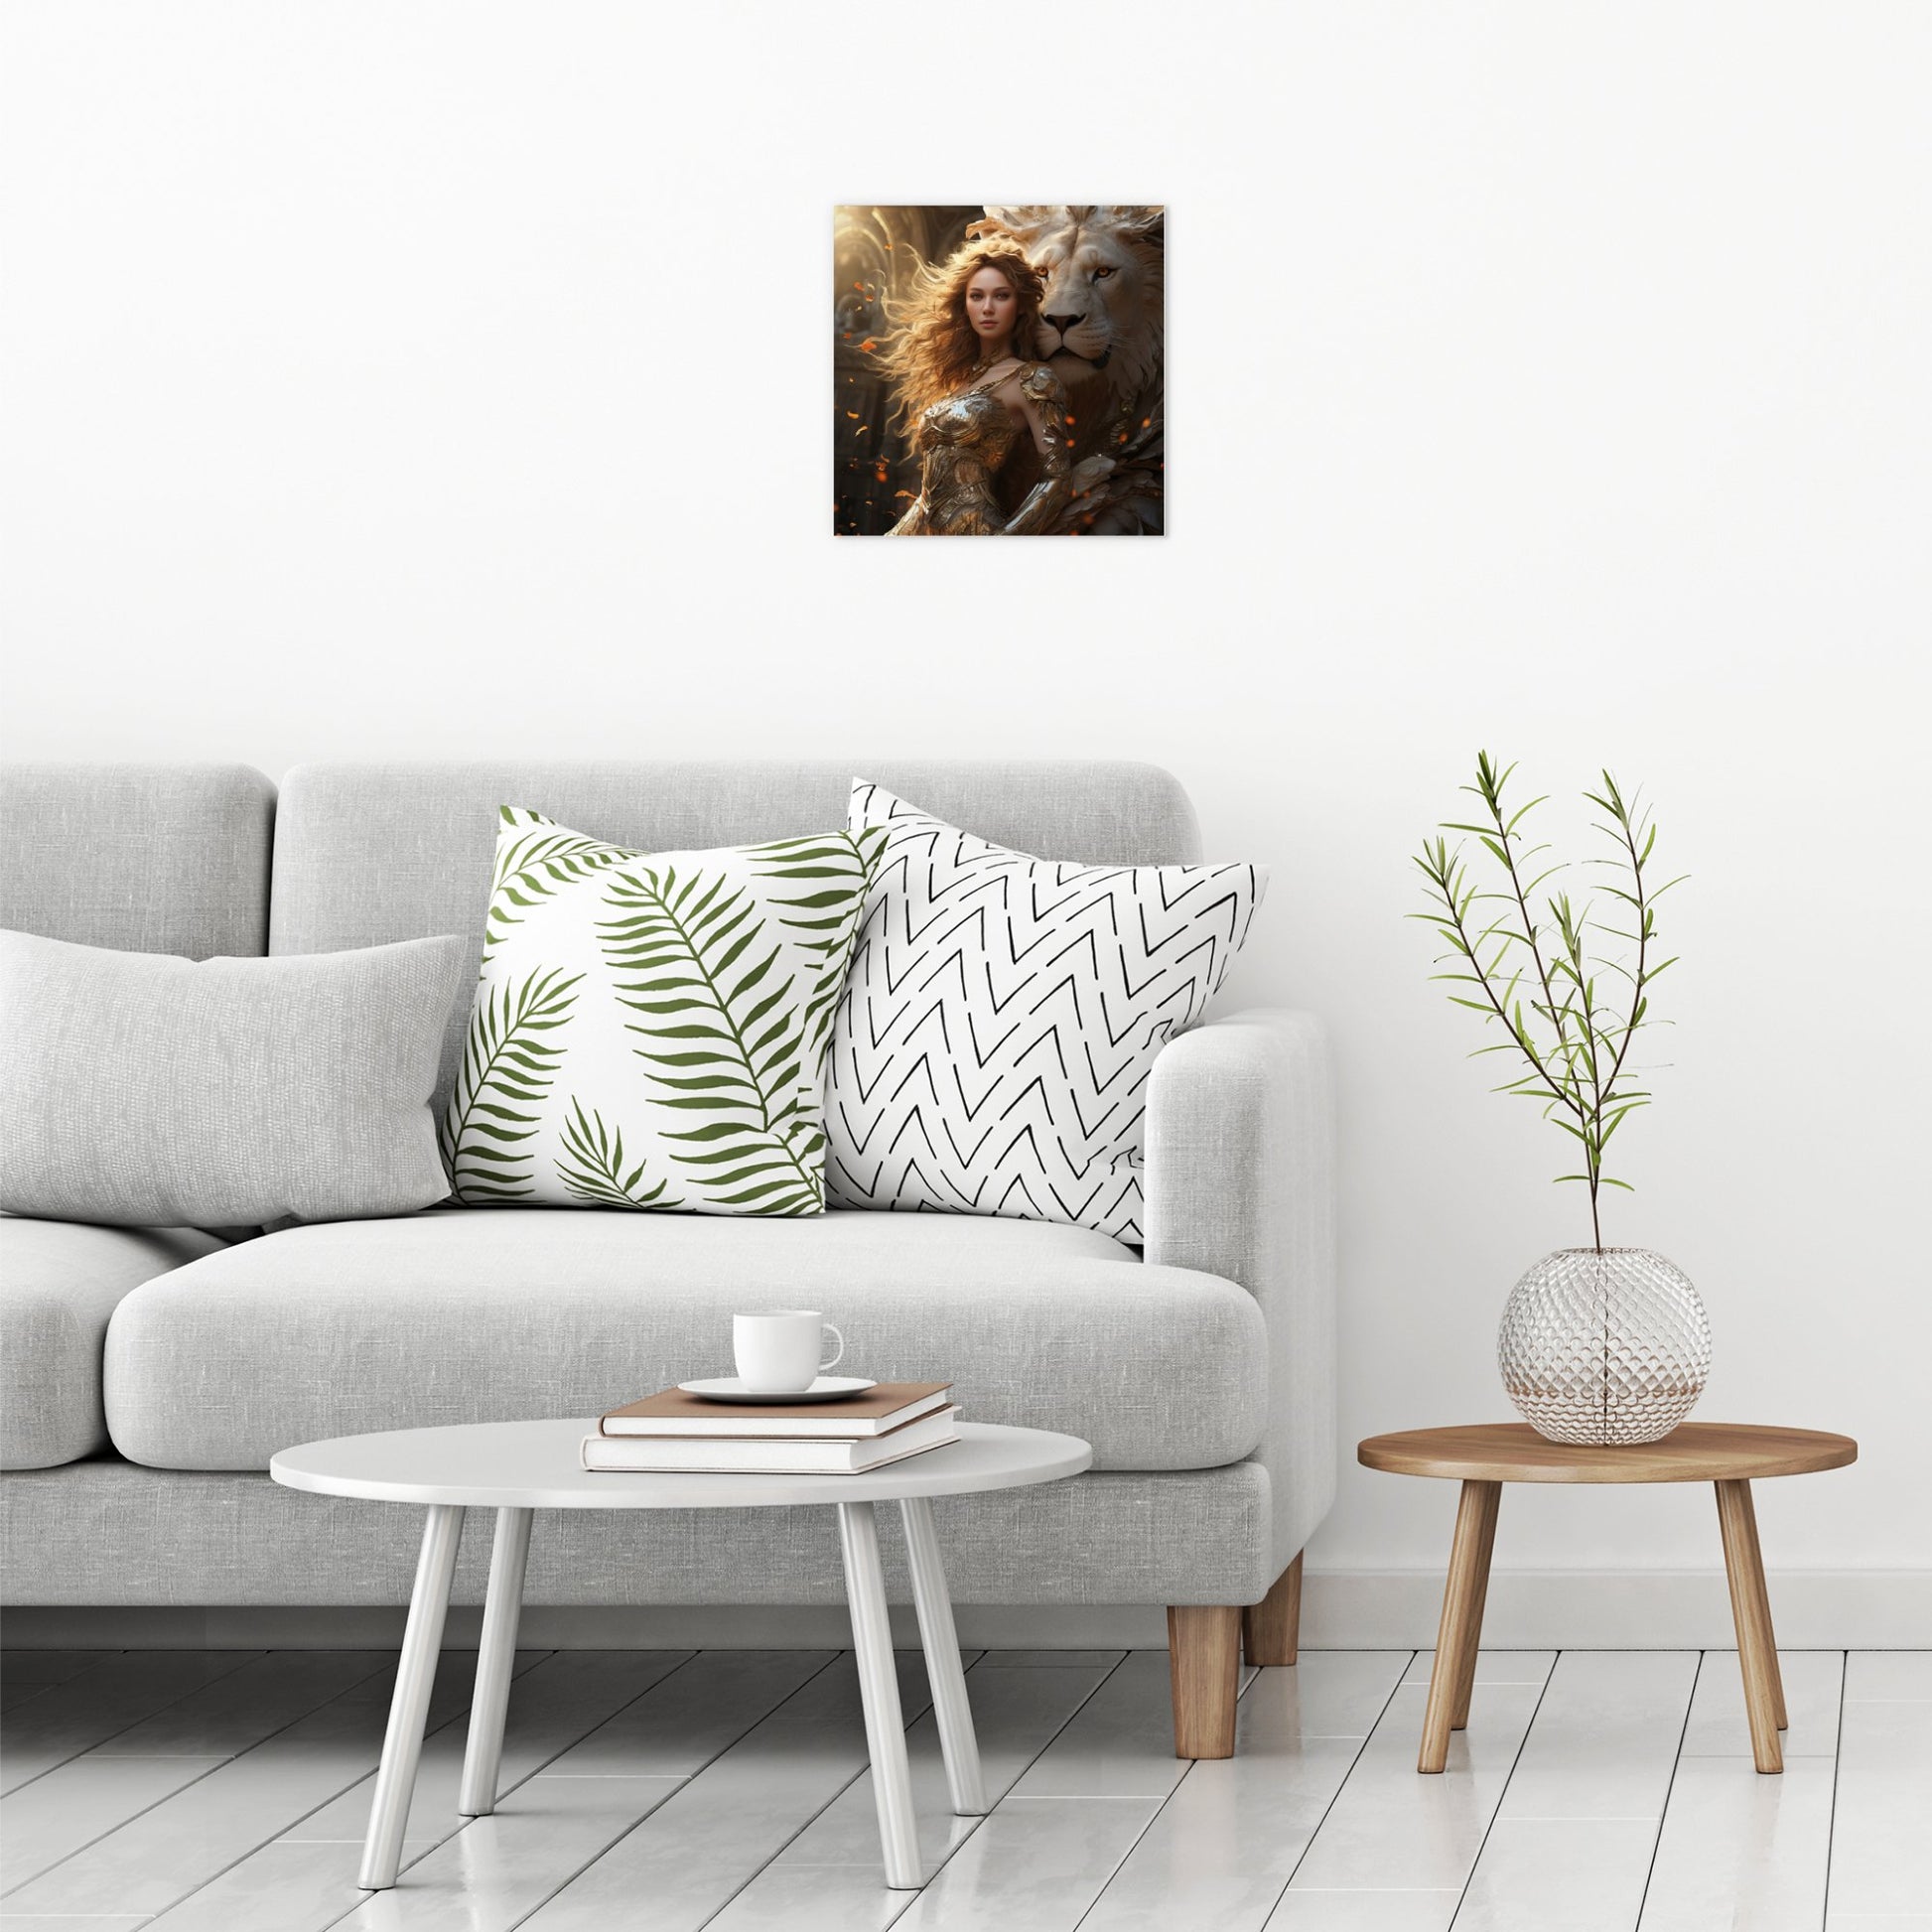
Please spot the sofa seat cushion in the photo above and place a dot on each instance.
(487, 1315)
(60, 1282)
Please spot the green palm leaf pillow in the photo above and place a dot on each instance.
(651, 1029)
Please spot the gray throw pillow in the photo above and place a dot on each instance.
(144, 1091)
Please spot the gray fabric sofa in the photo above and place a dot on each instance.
(149, 1376)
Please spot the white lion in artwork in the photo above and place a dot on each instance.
(1101, 329)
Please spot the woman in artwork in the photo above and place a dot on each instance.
(988, 422)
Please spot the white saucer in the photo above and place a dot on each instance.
(732, 1388)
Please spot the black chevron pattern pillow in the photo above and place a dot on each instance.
(1002, 1017)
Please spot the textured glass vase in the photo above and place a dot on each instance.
(1604, 1345)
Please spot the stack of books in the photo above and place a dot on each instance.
(675, 1432)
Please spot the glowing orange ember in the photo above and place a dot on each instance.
(866, 347)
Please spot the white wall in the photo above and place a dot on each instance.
(1547, 378)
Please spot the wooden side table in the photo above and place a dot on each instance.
(1487, 1455)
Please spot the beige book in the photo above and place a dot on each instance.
(671, 1411)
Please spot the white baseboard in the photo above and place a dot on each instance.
(1596, 1609)
(1873, 1609)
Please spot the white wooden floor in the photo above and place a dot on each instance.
(187, 1791)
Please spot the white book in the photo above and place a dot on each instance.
(664, 1456)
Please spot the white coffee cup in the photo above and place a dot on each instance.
(781, 1350)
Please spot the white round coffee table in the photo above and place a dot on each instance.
(515, 1467)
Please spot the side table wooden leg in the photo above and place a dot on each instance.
(1757, 1656)
(1461, 1624)
(482, 1758)
(1465, 1677)
(872, 1640)
(941, 1640)
(402, 1744)
(1764, 1608)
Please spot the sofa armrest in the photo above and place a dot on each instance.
(1240, 1183)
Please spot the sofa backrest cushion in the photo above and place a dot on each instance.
(140, 857)
(369, 854)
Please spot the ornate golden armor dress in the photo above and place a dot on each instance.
(962, 444)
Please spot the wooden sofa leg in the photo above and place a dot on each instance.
(1204, 1658)
(1271, 1631)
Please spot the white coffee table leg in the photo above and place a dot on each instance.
(942, 1669)
(496, 1663)
(872, 1639)
(402, 1745)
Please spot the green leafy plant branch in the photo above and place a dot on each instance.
(531, 869)
(593, 1167)
(728, 1045)
(506, 1073)
(838, 869)
(1576, 1043)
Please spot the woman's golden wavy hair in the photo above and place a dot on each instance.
(934, 349)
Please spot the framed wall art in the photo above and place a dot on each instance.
(998, 369)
